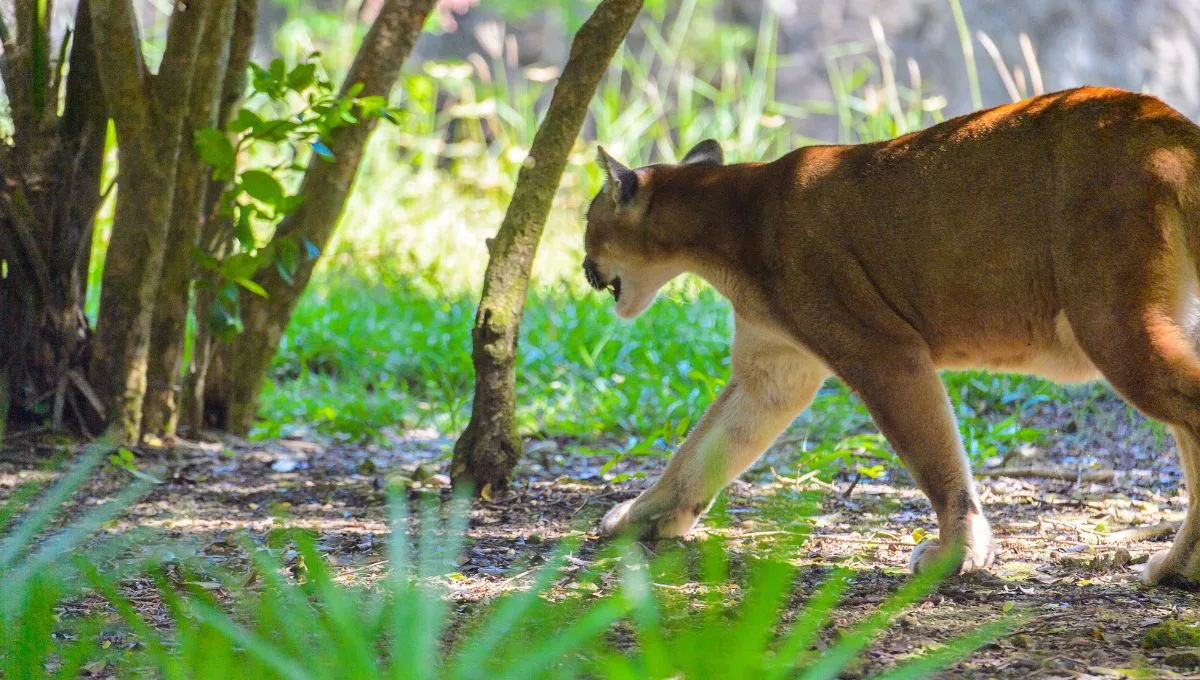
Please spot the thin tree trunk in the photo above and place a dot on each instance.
(215, 239)
(147, 113)
(160, 408)
(489, 448)
(325, 187)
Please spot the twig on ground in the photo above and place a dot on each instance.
(596, 497)
(1145, 533)
(853, 483)
(777, 532)
(1051, 473)
(809, 477)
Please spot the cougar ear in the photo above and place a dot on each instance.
(707, 152)
(623, 182)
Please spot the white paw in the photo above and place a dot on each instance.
(1164, 568)
(648, 518)
(616, 519)
(978, 550)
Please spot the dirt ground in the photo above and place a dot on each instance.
(1060, 565)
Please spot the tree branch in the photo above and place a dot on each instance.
(20, 47)
(160, 409)
(376, 67)
(489, 448)
(176, 74)
(241, 45)
(82, 131)
(325, 187)
(121, 65)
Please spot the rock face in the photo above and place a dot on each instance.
(1144, 45)
(1148, 45)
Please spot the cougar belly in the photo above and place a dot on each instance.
(1053, 354)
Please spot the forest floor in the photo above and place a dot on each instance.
(1060, 567)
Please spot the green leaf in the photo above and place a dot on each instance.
(354, 90)
(284, 273)
(278, 70)
(224, 315)
(262, 186)
(289, 204)
(302, 77)
(323, 151)
(242, 230)
(369, 106)
(240, 266)
(273, 131)
(245, 120)
(287, 256)
(253, 287)
(213, 147)
(204, 260)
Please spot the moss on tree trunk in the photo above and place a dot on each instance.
(47, 202)
(160, 410)
(200, 393)
(489, 448)
(148, 116)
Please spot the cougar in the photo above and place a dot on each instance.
(1057, 236)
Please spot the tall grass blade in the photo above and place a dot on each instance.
(955, 650)
(21, 537)
(968, 50)
(254, 645)
(540, 658)
(808, 624)
(470, 661)
(855, 640)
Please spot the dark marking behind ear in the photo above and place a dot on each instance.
(624, 181)
(707, 152)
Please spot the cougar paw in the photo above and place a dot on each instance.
(645, 519)
(1165, 568)
(978, 551)
(616, 519)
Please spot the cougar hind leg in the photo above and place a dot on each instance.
(1134, 318)
(908, 402)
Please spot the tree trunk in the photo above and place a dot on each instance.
(325, 187)
(489, 448)
(200, 394)
(147, 113)
(49, 198)
(168, 332)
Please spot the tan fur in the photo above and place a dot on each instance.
(1058, 236)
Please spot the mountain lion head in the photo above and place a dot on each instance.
(627, 246)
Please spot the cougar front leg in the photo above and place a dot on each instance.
(770, 385)
(908, 402)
